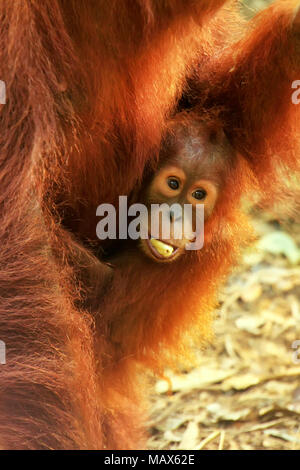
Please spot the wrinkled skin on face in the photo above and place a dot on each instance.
(188, 183)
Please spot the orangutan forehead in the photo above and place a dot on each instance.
(201, 165)
(194, 136)
(198, 149)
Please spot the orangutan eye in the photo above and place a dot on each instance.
(199, 194)
(173, 183)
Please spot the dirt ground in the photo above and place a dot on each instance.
(245, 391)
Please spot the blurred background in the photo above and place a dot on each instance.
(244, 392)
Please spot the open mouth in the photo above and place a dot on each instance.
(160, 249)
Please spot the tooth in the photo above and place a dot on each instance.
(162, 248)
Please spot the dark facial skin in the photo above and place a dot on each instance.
(191, 171)
(193, 166)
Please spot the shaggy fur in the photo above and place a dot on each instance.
(90, 87)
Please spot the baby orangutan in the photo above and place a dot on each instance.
(190, 174)
(192, 167)
(149, 274)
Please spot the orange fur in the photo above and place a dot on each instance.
(90, 87)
